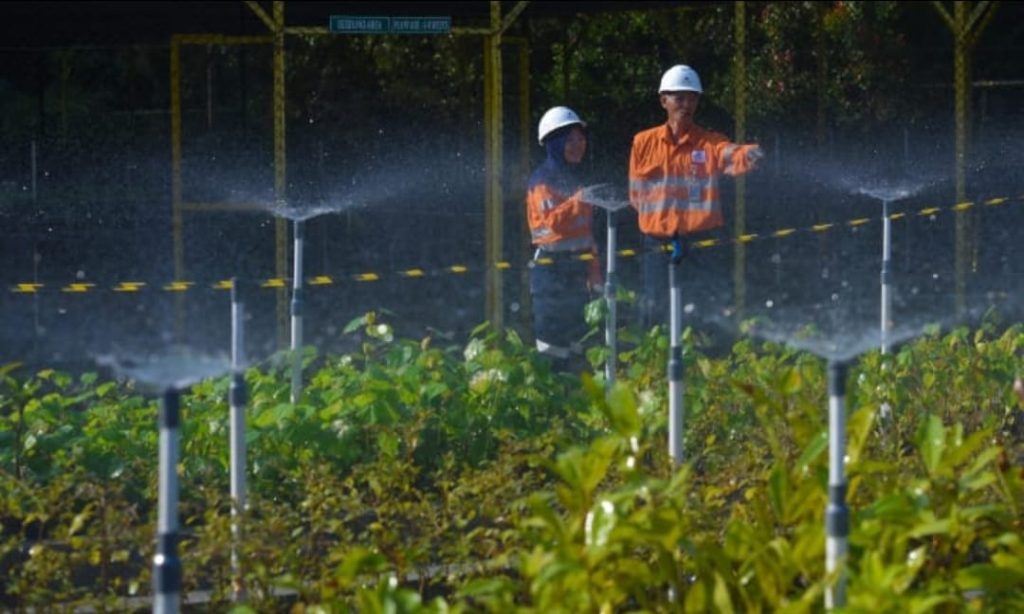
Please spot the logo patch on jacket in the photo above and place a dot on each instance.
(698, 156)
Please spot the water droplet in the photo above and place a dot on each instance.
(824, 273)
(689, 308)
(80, 275)
(935, 275)
(776, 258)
(835, 297)
(769, 303)
(514, 307)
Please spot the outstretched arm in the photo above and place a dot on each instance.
(738, 159)
(554, 210)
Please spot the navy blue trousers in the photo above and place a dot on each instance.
(559, 294)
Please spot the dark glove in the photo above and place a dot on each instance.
(678, 250)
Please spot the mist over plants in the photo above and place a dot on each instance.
(432, 462)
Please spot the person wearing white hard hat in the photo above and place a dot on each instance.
(674, 172)
(565, 267)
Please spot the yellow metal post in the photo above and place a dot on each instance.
(822, 66)
(280, 226)
(493, 152)
(740, 221)
(962, 85)
(966, 24)
(493, 144)
(525, 141)
(177, 222)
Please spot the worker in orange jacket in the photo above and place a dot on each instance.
(565, 267)
(674, 172)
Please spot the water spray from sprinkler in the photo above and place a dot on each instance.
(170, 374)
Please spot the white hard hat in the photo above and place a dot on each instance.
(555, 118)
(680, 78)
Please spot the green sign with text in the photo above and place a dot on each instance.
(358, 24)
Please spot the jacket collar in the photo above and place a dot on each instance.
(689, 136)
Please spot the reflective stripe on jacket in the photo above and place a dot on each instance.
(674, 185)
(558, 222)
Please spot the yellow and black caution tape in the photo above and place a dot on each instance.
(178, 286)
(78, 288)
(129, 286)
(181, 286)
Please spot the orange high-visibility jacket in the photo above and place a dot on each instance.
(674, 185)
(558, 223)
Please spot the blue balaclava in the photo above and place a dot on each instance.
(559, 171)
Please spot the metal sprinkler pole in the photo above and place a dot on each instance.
(837, 515)
(675, 363)
(609, 296)
(238, 397)
(886, 272)
(300, 233)
(166, 564)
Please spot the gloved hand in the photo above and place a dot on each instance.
(754, 155)
(595, 279)
(678, 250)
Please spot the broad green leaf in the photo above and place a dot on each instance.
(778, 489)
(792, 382)
(933, 527)
(600, 522)
(989, 577)
(9, 367)
(931, 441)
(722, 599)
(483, 587)
(814, 449)
(388, 443)
(357, 323)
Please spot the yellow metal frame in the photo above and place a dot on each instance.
(493, 147)
(966, 24)
(493, 142)
(276, 25)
